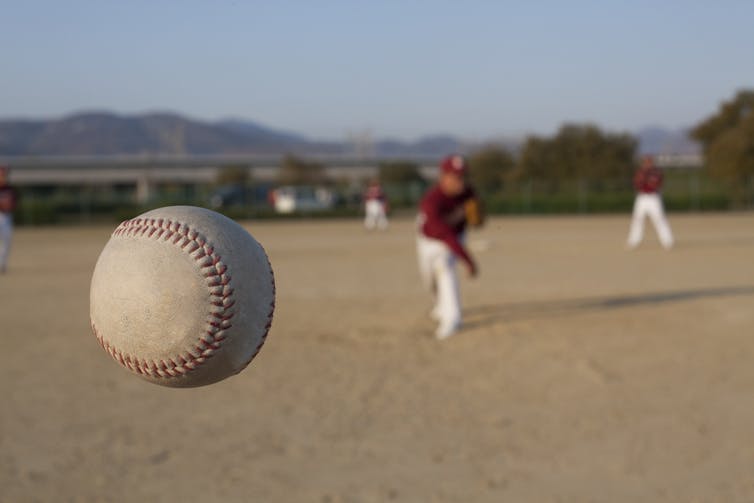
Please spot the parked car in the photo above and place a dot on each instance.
(301, 198)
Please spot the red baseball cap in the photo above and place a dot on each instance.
(455, 164)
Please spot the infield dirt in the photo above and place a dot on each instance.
(585, 373)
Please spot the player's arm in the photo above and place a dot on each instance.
(436, 227)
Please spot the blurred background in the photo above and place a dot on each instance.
(110, 110)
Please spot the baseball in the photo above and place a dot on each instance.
(182, 296)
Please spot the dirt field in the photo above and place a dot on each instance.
(586, 373)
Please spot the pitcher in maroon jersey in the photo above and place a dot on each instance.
(441, 229)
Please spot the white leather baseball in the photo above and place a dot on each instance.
(182, 296)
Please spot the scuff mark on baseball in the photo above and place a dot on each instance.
(182, 296)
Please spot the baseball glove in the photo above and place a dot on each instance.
(474, 212)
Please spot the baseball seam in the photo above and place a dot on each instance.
(215, 273)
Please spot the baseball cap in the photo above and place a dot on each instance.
(455, 164)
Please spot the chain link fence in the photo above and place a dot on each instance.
(684, 190)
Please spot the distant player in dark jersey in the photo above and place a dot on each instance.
(445, 211)
(375, 207)
(8, 203)
(648, 184)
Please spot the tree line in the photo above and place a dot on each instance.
(582, 152)
(585, 152)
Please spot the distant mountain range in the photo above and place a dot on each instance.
(105, 133)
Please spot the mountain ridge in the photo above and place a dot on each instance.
(101, 132)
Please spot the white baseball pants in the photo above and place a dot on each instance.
(437, 268)
(6, 234)
(375, 215)
(649, 205)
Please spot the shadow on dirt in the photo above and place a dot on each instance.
(538, 309)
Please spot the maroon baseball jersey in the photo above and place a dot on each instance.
(374, 193)
(648, 180)
(8, 199)
(443, 218)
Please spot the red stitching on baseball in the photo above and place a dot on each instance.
(218, 283)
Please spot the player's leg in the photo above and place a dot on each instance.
(448, 295)
(425, 249)
(436, 266)
(381, 217)
(636, 231)
(6, 234)
(369, 222)
(657, 215)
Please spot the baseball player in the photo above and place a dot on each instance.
(445, 211)
(375, 207)
(8, 202)
(648, 183)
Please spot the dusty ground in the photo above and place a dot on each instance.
(586, 373)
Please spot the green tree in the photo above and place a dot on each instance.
(490, 168)
(728, 138)
(538, 158)
(296, 171)
(578, 151)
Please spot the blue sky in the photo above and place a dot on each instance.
(477, 69)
